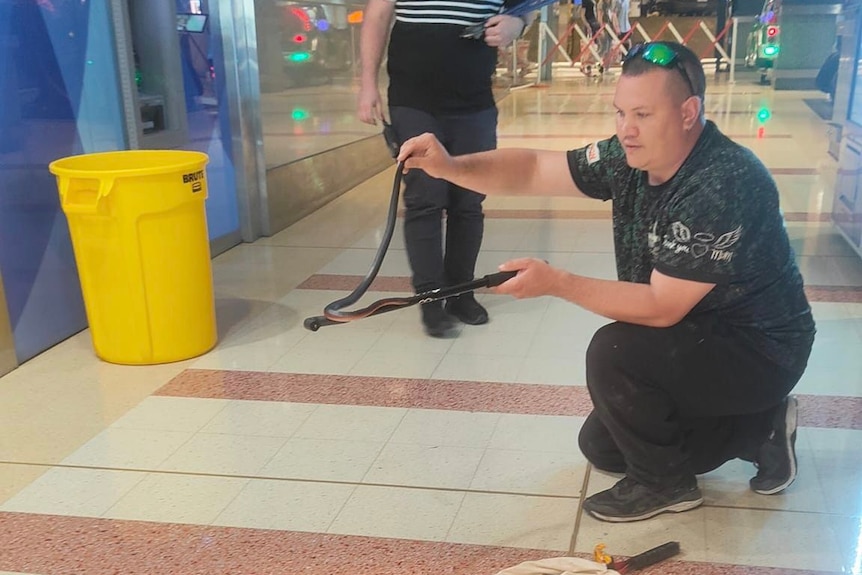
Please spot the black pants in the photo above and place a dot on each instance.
(673, 402)
(426, 198)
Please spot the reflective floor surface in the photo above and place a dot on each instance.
(372, 449)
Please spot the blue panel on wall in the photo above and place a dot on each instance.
(58, 98)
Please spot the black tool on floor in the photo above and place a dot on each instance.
(647, 558)
(334, 313)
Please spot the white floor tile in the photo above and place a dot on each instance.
(359, 261)
(338, 362)
(335, 340)
(553, 370)
(566, 347)
(266, 418)
(835, 366)
(480, 341)
(437, 427)
(838, 459)
(72, 491)
(285, 505)
(256, 356)
(223, 454)
(351, 422)
(396, 512)
(848, 533)
(413, 465)
(408, 338)
(177, 498)
(322, 459)
(128, 448)
(823, 270)
(171, 414)
(279, 330)
(531, 472)
(14, 478)
(401, 364)
(468, 367)
(266, 273)
(817, 239)
(515, 521)
(372, 239)
(539, 433)
(772, 539)
(514, 315)
(506, 235)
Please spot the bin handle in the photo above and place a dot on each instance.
(83, 199)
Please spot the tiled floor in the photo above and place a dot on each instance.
(370, 448)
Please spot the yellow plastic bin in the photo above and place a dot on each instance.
(139, 232)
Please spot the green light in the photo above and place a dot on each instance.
(299, 56)
(770, 50)
(764, 114)
(299, 114)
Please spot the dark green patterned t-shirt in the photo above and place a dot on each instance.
(716, 221)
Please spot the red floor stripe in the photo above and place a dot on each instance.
(834, 294)
(489, 397)
(806, 217)
(349, 282)
(42, 544)
(380, 391)
(52, 544)
(609, 113)
(605, 135)
(594, 94)
(794, 171)
(528, 214)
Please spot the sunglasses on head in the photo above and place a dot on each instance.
(662, 55)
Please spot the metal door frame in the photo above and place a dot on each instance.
(8, 357)
(235, 21)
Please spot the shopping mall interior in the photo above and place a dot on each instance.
(370, 448)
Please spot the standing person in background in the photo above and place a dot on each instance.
(621, 10)
(440, 83)
(592, 26)
(606, 18)
(618, 12)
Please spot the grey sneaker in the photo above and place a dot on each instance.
(629, 500)
(776, 458)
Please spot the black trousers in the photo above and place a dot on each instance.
(673, 402)
(426, 198)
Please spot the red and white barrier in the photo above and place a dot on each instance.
(590, 42)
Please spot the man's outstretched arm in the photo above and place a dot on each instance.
(661, 303)
(498, 172)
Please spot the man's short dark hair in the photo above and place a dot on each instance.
(636, 65)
